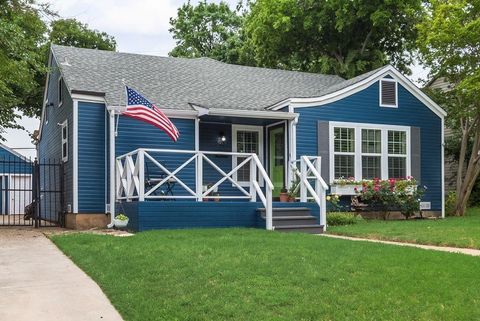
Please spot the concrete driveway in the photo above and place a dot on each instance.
(38, 282)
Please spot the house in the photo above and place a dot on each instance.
(245, 133)
(15, 185)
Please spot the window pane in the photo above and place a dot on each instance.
(344, 166)
(371, 141)
(64, 150)
(344, 139)
(371, 167)
(397, 167)
(397, 142)
(247, 142)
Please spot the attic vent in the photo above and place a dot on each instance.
(388, 93)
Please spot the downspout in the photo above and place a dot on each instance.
(112, 165)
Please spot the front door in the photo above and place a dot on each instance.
(277, 158)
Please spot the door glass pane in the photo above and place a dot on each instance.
(344, 139)
(344, 166)
(247, 142)
(371, 141)
(371, 167)
(279, 155)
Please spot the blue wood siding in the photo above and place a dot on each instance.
(11, 163)
(92, 157)
(363, 107)
(49, 146)
(184, 214)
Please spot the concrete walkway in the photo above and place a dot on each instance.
(38, 282)
(471, 252)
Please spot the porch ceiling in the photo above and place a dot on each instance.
(238, 120)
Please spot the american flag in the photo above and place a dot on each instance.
(140, 108)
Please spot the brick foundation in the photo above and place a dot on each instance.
(86, 221)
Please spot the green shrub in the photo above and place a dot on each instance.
(450, 203)
(342, 218)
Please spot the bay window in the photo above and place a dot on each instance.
(368, 151)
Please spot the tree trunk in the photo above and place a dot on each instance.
(464, 189)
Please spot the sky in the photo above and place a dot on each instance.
(139, 26)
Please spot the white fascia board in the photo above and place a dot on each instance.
(359, 86)
(264, 114)
(88, 98)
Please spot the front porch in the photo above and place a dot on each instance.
(161, 188)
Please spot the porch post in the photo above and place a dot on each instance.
(112, 165)
(303, 178)
(199, 176)
(141, 175)
(253, 178)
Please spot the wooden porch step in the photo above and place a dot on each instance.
(287, 211)
(311, 229)
(293, 220)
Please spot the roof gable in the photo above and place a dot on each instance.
(354, 85)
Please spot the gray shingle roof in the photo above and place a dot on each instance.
(176, 82)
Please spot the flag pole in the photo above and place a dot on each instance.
(112, 133)
(112, 165)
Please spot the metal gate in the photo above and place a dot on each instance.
(31, 192)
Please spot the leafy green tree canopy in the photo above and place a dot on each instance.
(21, 62)
(25, 39)
(342, 37)
(71, 32)
(449, 43)
(207, 30)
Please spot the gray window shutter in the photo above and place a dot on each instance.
(324, 148)
(416, 157)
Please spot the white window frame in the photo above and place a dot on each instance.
(380, 93)
(64, 140)
(60, 85)
(250, 128)
(358, 147)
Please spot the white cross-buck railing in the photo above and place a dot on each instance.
(310, 169)
(132, 184)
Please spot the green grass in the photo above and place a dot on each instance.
(247, 274)
(451, 231)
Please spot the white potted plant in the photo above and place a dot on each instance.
(121, 221)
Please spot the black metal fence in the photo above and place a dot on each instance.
(31, 192)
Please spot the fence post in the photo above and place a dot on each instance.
(199, 177)
(141, 175)
(303, 179)
(36, 192)
(268, 208)
(253, 178)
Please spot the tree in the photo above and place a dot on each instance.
(449, 42)
(207, 30)
(71, 32)
(21, 63)
(24, 43)
(340, 37)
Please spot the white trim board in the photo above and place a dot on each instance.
(359, 86)
(75, 156)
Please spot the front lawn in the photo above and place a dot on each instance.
(451, 231)
(248, 274)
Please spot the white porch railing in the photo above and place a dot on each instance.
(310, 169)
(131, 180)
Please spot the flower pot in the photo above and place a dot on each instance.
(283, 197)
(121, 223)
(348, 189)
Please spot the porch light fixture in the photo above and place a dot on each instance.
(222, 139)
